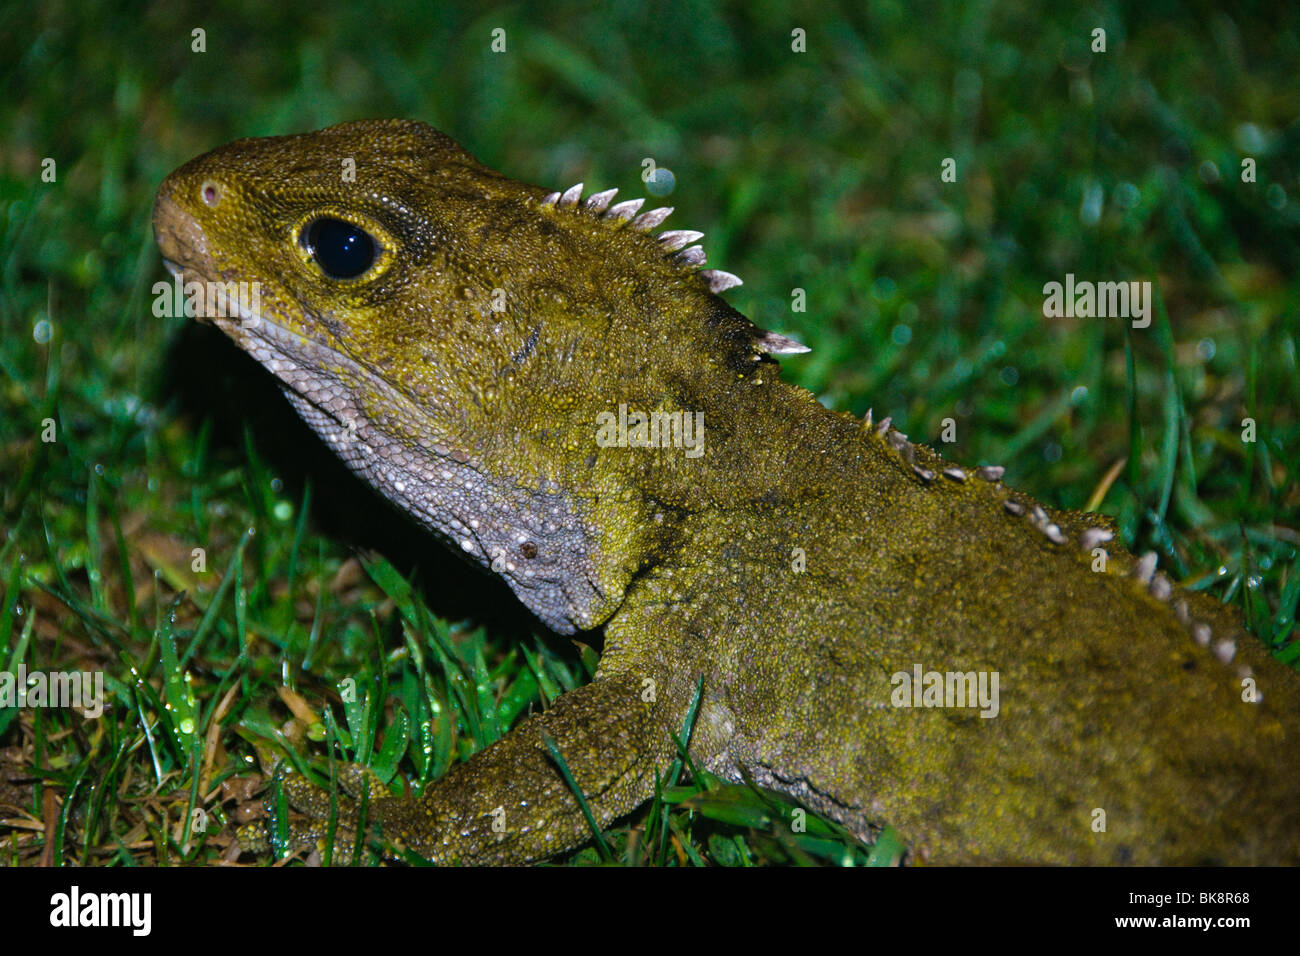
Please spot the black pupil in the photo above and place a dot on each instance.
(341, 249)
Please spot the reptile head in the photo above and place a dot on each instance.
(387, 258)
(451, 332)
(375, 248)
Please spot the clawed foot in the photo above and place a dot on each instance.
(308, 831)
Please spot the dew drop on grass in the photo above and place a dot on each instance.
(1090, 208)
(662, 183)
(1250, 138)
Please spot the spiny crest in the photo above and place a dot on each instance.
(681, 244)
(1143, 572)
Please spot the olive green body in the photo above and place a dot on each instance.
(797, 559)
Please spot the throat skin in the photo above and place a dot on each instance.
(487, 374)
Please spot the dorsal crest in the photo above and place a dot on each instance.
(682, 245)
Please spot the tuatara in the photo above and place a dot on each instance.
(491, 356)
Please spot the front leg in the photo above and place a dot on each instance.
(510, 804)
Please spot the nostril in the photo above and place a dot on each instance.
(211, 192)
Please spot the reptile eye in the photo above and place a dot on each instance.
(342, 250)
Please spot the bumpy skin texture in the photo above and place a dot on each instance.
(796, 565)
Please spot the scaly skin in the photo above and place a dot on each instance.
(798, 563)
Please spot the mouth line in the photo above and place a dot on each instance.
(247, 320)
(301, 362)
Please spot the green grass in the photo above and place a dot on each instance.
(817, 171)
